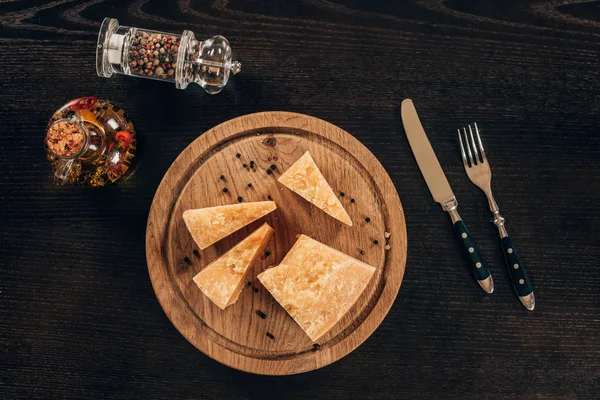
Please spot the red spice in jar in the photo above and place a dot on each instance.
(64, 138)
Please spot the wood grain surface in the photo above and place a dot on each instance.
(78, 316)
(256, 334)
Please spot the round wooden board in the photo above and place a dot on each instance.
(239, 337)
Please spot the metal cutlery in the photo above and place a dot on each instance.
(442, 193)
(479, 172)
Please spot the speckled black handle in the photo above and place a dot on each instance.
(471, 252)
(516, 268)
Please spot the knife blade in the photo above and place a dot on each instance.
(442, 193)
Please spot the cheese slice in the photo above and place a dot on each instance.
(304, 178)
(209, 225)
(316, 284)
(223, 279)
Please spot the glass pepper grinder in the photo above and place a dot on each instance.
(169, 57)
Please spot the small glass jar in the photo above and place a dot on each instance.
(90, 142)
(180, 59)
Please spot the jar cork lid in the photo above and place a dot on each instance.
(65, 138)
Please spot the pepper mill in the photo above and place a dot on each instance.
(169, 57)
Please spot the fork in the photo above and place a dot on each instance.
(479, 172)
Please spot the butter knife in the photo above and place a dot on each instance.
(442, 193)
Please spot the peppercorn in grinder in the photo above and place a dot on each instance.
(180, 59)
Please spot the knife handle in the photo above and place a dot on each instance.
(516, 268)
(471, 253)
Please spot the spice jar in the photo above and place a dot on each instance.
(180, 59)
(90, 142)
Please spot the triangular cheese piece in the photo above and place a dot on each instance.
(316, 284)
(209, 225)
(223, 279)
(304, 178)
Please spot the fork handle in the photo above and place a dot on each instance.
(473, 256)
(516, 268)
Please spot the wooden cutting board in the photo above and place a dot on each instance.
(256, 334)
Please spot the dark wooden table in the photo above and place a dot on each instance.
(78, 316)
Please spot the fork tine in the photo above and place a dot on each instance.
(475, 152)
(468, 147)
(480, 144)
(462, 150)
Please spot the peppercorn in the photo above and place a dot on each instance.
(146, 55)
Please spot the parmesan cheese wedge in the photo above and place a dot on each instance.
(209, 225)
(316, 284)
(304, 178)
(222, 280)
